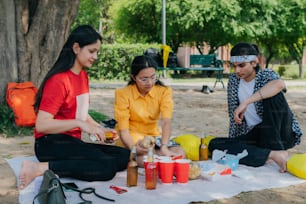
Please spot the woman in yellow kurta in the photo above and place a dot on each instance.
(141, 105)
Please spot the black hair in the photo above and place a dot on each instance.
(258, 53)
(243, 48)
(83, 35)
(256, 48)
(139, 63)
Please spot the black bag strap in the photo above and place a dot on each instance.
(88, 190)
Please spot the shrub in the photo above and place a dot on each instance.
(281, 70)
(115, 59)
(8, 126)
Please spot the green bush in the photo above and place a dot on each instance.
(294, 76)
(8, 126)
(114, 60)
(281, 70)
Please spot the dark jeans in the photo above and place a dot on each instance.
(70, 157)
(273, 133)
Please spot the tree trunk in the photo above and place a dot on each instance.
(32, 35)
(301, 73)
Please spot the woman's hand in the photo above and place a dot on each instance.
(94, 130)
(115, 134)
(164, 151)
(140, 149)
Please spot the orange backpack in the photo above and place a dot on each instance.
(20, 97)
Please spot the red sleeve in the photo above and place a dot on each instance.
(54, 95)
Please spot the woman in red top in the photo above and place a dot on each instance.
(62, 104)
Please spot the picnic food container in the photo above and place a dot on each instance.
(194, 171)
(230, 160)
(212, 171)
(109, 137)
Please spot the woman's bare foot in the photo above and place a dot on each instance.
(29, 171)
(280, 157)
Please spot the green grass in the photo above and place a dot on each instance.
(8, 127)
(291, 71)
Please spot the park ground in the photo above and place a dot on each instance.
(195, 113)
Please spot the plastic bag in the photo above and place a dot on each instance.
(296, 165)
(191, 144)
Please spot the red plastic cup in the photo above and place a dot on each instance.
(162, 158)
(166, 170)
(182, 167)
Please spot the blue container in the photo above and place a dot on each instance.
(231, 161)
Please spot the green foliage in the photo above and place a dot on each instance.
(88, 13)
(281, 70)
(276, 26)
(95, 13)
(115, 59)
(132, 17)
(288, 71)
(8, 126)
(272, 24)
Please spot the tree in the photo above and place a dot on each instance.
(284, 27)
(295, 37)
(133, 17)
(95, 13)
(187, 21)
(272, 24)
(33, 32)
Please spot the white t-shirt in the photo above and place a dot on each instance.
(245, 91)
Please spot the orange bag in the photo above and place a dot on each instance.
(20, 98)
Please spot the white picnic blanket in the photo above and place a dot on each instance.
(243, 180)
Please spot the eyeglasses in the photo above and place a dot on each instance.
(145, 80)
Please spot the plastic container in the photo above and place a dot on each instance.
(231, 161)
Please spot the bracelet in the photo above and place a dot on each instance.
(260, 94)
(163, 145)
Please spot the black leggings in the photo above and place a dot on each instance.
(273, 133)
(71, 157)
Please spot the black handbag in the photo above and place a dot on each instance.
(51, 191)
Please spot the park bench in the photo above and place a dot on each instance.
(207, 62)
